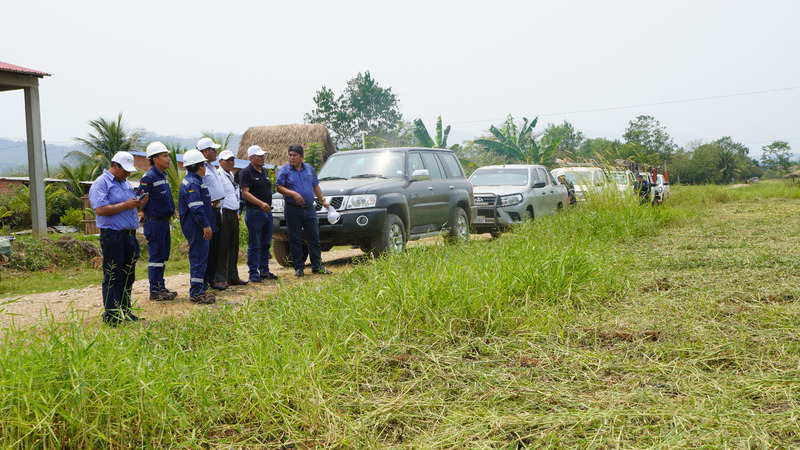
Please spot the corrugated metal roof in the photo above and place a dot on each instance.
(6, 67)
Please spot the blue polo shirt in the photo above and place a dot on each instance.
(105, 191)
(160, 204)
(301, 181)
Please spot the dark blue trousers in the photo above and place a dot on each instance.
(298, 220)
(259, 240)
(213, 249)
(158, 246)
(120, 252)
(198, 261)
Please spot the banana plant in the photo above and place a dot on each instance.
(425, 139)
(519, 144)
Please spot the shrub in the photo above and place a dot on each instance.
(72, 217)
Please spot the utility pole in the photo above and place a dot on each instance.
(46, 165)
(363, 140)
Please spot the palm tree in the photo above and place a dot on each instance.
(219, 139)
(519, 144)
(425, 140)
(85, 170)
(109, 138)
(727, 167)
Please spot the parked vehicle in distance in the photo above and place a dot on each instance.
(585, 179)
(659, 189)
(509, 194)
(624, 180)
(386, 197)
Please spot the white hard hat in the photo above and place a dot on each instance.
(125, 160)
(192, 157)
(155, 148)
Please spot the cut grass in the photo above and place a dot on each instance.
(594, 328)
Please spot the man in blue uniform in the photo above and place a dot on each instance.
(197, 223)
(157, 215)
(115, 207)
(298, 184)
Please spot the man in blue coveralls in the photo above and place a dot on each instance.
(197, 223)
(115, 207)
(298, 183)
(157, 215)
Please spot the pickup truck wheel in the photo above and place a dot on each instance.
(282, 254)
(530, 212)
(459, 227)
(392, 238)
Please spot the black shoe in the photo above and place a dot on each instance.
(111, 319)
(163, 294)
(218, 286)
(237, 282)
(269, 276)
(255, 280)
(321, 271)
(205, 298)
(298, 272)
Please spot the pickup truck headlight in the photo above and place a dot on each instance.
(277, 205)
(361, 201)
(510, 200)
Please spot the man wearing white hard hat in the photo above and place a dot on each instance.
(257, 193)
(227, 270)
(157, 215)
(214, 184)
(197, 223)
(115, 206)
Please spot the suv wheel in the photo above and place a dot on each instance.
(282, 254)
(459, 226)
(392, 238)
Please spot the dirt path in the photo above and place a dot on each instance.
(86, 303)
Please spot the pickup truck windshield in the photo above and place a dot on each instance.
(363, 165)
(621, 178)
(499, 177)
(579, 178)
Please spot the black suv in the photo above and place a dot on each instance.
(386, 197)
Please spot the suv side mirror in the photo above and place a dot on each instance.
(539, 184)
(421, 175)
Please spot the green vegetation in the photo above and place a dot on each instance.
(609, 325)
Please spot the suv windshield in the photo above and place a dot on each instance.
(579, 178)
(346, 165)
(620, 178)
(499, 177)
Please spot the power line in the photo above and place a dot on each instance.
(668, 102)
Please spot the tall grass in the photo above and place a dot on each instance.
(443, 346)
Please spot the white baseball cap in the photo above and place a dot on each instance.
(125, 160)
(205, 143)
(155, 148)
(255, 150)
(226, 154)
(192, 157)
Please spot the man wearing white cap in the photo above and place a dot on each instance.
(214, 184)
(257, 193)
(115, 207)
(157, 215)
(229, 233)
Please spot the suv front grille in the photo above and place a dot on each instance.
(484, 200)
(336, 202)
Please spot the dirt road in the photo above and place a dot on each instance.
(86, 303)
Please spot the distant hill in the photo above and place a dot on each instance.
(14, 154)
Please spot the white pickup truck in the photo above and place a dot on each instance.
(659, 190)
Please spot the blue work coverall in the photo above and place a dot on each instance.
(194, 206)
(157, 214)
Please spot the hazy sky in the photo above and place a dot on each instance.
(183, 67)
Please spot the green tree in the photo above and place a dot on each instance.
(78, 171)
(518, 144)
(222, 140)
(569, 140)
(778, 155)
(425, 140)
(650, 140)
(364, 106)
(108, 138)
(727, 165)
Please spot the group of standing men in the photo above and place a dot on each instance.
(210, 204)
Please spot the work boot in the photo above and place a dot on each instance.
(321, 270)
(163, 294)
(204, 299)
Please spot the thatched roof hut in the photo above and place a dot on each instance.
(276, 140)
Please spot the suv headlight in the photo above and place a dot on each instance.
(361, 201)
(277, 205)
(510, 200)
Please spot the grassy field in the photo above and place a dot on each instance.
(611, 325)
